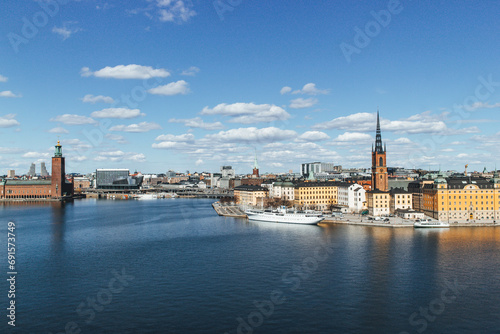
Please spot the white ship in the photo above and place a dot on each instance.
(283, 216)
(146, 197)
(429, 223)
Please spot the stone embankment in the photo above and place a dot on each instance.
(228, 210)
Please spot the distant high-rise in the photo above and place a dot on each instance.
(43, 170)
(32, 171)
(11, 173)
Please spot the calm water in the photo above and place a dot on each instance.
(174, 266)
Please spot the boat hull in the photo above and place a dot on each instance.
(420, 225)
(284, 218)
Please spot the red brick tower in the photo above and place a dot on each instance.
(58, 173)
(255, 172)
(380, 180)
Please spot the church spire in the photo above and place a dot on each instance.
(378, 137)
(255, 165)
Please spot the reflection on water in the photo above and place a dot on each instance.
(196, 272)
(58, 223)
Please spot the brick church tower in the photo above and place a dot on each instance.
(380, 179)
(58, 173)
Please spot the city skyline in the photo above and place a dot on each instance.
(189, 85)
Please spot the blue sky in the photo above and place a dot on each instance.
(153, 85)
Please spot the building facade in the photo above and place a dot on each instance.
(462, 198)
(400, 200)
(352, 196)
(318, 167)
(56, 188)
(316, 195)
(250, 195)
(378, 202)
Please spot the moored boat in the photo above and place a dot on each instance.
(282, 215)
(430, 223)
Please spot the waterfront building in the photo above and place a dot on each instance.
(317, 195)
(56, 188)
(250, 195)
(117, 179)
(81, 183)
(462, 198)
(400, 200)
(352, 196)
(283, 189)
(378, 202)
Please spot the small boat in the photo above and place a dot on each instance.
(282, 215)
(430, 223)
(143, 197)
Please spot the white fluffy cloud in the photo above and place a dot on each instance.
(141, 127)
(58, 130)
(353, 137)
(197, 122)
(481, 105)
(117, 113)
(191, 71)
(71, 119)
(253, 135)
(310, 89)
(248, 113)
(118, 138)
(301, 103)
(178, 11)
(36, 155)
(89, 98)
(365, 122)
(312, 136)
(8, 93)
(285, 90)
(173, 88)
(3, 78)
(187, 137)
(68, 28)
(131, 71)
(8, 121)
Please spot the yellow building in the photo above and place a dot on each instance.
(378, 202)
(400, 200)
(316, 195)
(462, 198)
(250, 195)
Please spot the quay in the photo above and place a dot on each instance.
(350, 219)
(228, 210)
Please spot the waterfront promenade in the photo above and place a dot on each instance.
(354, 219)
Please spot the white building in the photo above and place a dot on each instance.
(317, 167)
(227, 172)
(284, 190)
(352, 196)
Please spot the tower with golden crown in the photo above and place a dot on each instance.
(58, 172)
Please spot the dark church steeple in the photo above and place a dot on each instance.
(378, 137)
(380, 179)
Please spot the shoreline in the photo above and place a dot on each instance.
(236, 212)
